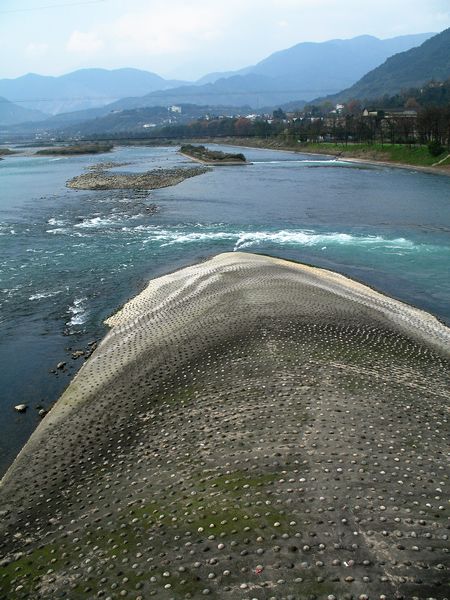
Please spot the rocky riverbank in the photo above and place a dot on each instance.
(100, 179)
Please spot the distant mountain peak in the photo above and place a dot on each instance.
(11, 114)
(325, 65)
(81, 89)
(408, 69)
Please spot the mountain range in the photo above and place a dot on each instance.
(82, 89)
(304, 71)
(301, 73)
(314, 68)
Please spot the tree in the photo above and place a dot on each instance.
(279, 114)
(327, 106)
(435, 148)
(353, 107)
(313, 110)
(243, 126)
(412, 104)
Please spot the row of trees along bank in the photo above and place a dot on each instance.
(413, 117)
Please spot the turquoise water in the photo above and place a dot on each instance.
(69, 258)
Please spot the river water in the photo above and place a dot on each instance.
(70, 258)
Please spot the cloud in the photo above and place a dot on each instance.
(159, 29)
(168, 28)
(84, 42)
(36, 50)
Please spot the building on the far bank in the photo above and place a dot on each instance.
(389, 113)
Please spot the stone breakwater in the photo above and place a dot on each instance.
(249, 428)
(100, 179)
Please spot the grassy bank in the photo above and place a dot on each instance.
(398, 153)
(418, 156)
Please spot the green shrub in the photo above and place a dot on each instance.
(435, 148)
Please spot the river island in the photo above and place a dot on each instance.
(98, 178)
(212, 157)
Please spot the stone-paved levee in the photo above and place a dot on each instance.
(250, 428)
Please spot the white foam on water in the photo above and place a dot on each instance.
(101, 222)
(284, 237)
(307, 161)
(65, 231)
(7, 229)
(58, 231)
(310, 238)
(42, 295)
(98, 222)
(188, 238)
(79, 312)
(56, 222)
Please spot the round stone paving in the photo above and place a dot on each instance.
(249, 429)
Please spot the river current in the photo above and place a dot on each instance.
(68, 258)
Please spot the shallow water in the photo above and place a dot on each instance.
(69, 258)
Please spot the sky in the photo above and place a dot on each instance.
(187, 39)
